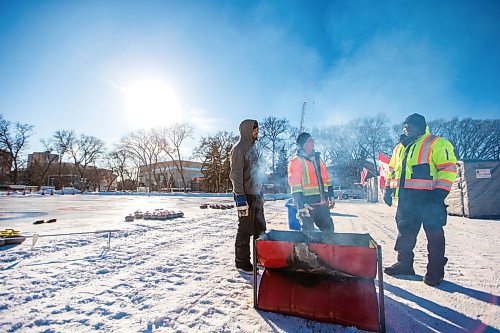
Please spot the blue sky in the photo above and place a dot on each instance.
(106, 68)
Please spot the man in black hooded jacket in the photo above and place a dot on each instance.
(247, 189)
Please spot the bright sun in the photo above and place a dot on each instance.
(151, 103)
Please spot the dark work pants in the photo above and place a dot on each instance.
(409, 217)
(252, 225)
(320, 215)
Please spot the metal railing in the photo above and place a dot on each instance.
(35, 236)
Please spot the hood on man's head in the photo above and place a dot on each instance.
(302, 138)
(416, 120)
(246, 129)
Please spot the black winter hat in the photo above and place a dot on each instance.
(416, 120)
(302, 138)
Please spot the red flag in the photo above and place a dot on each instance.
(364, 173)
(383, 169)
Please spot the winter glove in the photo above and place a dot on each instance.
(242, 205)
(388, 196)
(331, 203)
(305, 212)
(304, 216)
(440, 194)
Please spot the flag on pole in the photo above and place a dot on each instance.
(364, 173)
(383, 169)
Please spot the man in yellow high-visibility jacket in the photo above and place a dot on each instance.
(311, 186)
(421, 172)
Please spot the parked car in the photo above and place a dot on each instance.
(337, 192)
(356, 192)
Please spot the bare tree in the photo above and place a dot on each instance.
(13, 140)
(356, 154)
(330, 141)
(471, 138)
(116, 161)
(98, 177)
(63, 141)
(373, 137)
(110, 176)
(273, 131)
(38, 170)
(494, 139)
(438, 127)
(146, 149)
(175, 135)
(340, 145)
(85, 151)
(131, 180)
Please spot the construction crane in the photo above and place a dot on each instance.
(302, 115)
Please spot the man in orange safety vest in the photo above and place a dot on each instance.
(311, 186)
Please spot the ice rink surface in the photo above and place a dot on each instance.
(178, 275)
(81, 213)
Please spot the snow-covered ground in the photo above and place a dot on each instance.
(178, 275)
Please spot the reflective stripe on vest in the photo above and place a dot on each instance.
(425, 150)
(305, 187)
(444, 184)
(306, 179)
(394, 183)
(296, 188)
(420, 184)
(447, 167)
(313, 190)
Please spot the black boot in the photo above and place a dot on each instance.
(400, 268)
(437, 260)
(244, 267)
(435, 271)
(404, 266)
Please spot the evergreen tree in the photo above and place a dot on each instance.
(281, 171)
(214, 151)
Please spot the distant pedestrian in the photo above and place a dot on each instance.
(311, 186)
(421, 172)
(247, 189)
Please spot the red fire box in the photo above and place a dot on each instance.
(321, 276)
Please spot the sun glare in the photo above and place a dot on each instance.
(151, 103)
